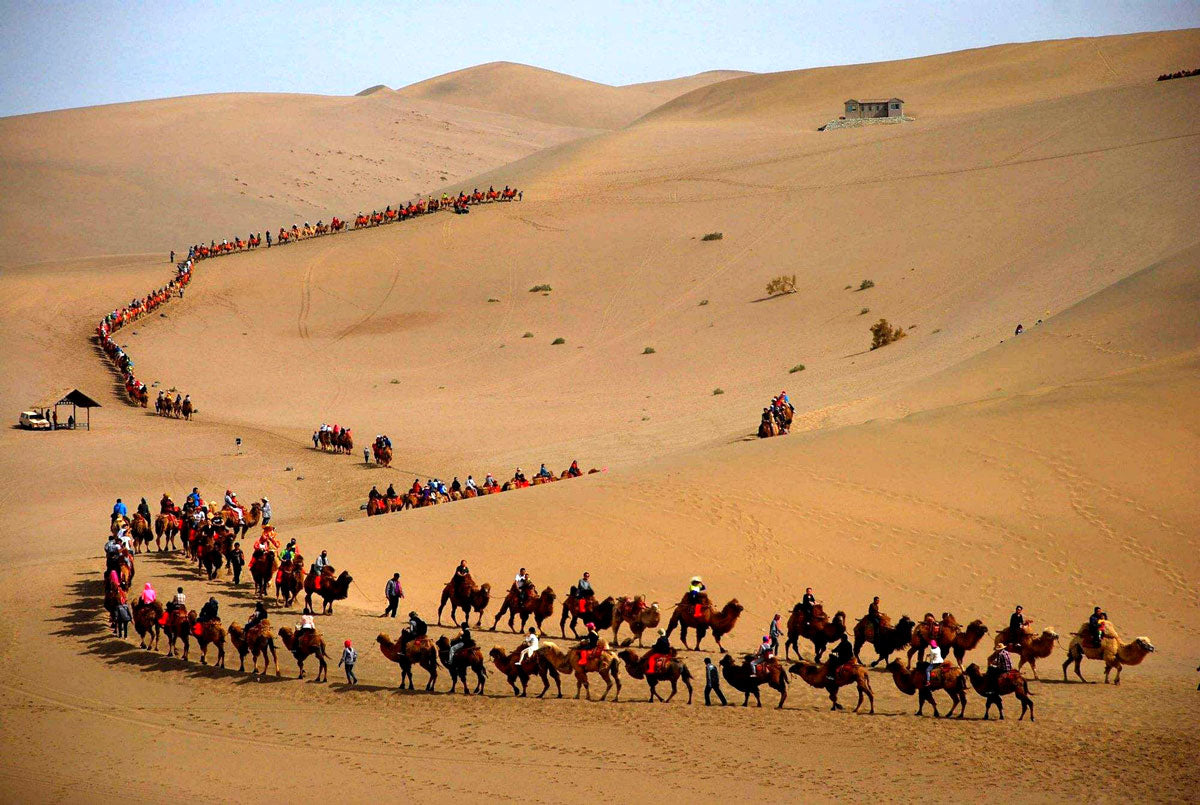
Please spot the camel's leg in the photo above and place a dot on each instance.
(746, 700)
(220, 656)
(607, 683)
(674, 689)
(833, 696)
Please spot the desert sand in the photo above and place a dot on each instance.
(962, 468)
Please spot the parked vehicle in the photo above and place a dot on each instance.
(32, 420)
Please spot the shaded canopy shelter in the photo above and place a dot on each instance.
(74, 398)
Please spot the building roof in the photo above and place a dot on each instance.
(68, 397)
(873, 100)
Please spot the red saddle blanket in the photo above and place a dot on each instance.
(657, 663)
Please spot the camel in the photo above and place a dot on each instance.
(289, 580)
(377, 506)
(175, 624)
(1115, 653)
(637, 614)
(740, 678)
(467, 597)
(249, 519)
(166, 525)
(818, 630)
(852, 673)
(586, 610)
(1036, 648)
(186, 409)
(302, 645)
(666, 669)
(208, 633)
(523, 671)
(146, 619)
(383, 457)
(331, 589)
(139, 530)
(467, 658)
(211, 555)
(258, 641)
(701, 617)
(949, 678)
(1011, 682)
(581, 662)
(419, 651)
(888, 640)
(262, 570)
(539, 606)
(951, 638)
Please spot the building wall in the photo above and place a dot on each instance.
(869, 110)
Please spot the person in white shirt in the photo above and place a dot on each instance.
(306, 622)
(531, 646)
(935, 660)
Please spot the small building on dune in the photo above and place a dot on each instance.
(879, 107)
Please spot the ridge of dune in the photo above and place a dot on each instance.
(948, 84)
(553, 97)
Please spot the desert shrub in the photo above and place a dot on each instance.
(848, 287)
(540, 288)
(866, 284)
(797, 368)
(493, 300)
(882, 334)
(713, 236)
(527, 335)
(558, 341)
(395, 382)
(717, 391)
(703, 302)
(936, 331)
(648, 351)
(864, 311)
(781, 285)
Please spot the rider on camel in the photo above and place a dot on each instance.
(521, 583)
(391, 492)
(583, 588)
(1016, 626)
(873, 613)
(543, 472)
(306, 622)
(209, 612)
(471, 485)
(464, 640)
(373, 494)
(764, 654)
(529, 645)
(591, 639)
(574, 471)
(148, 596)
(807, 603)
(489, 481)
(259, 615)
(695, 588)
(178, 602)
(1095, 626)
(841, 654)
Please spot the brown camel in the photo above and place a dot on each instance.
(175, 624)
(146, 619)
(166, 526)
(302, 645)
(465, 596)
(637, 614)
(1011, 682)
(1115, 653)
(539, 606)
(140, 532)
(580, 662)
(289, 580)
(1037, 648)
(330, 589)
(852, 673)
(949, 678)
(249, 518)
(666, 669)
(701, 617)
(522, 672)
(259, 641)
(466, 658)
(819, 630)
(262, 571)
(741, 678)
(420, 651)
(885, 640)
(951, 639)
(584, 611)
(208, 633)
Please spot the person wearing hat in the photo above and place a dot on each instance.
(695, 588)
(266, 512)
(416, 628)
(591, 639)
(393, 592)
(464, 640)
(935, 660)
(349, 657)
(663, 644)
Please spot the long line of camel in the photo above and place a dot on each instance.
(550, 661)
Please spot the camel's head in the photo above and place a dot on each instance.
(905, 624)
(895, 666)
(486, 587)
(976, 627)
(654, 606)
(627, 655)
(799, 667)
(726, 661)
(1144, 643)
(497, 653)
(382, 639)
(1049, 634)
(734, 606)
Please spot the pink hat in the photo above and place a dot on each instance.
(591, 626)
(933, 644)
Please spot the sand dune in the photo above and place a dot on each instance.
(959, 469)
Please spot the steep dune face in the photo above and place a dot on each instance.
(156, 175)
(552, 97)
(953, 83)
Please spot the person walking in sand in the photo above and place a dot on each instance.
(712, 683)
(393, 592)
(349, 657)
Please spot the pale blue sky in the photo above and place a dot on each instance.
(63, 54)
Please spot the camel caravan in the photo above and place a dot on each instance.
(135, 390)
(333, 439)
(777, 417)
(388, 215)
(209, 536)
(435, 491)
